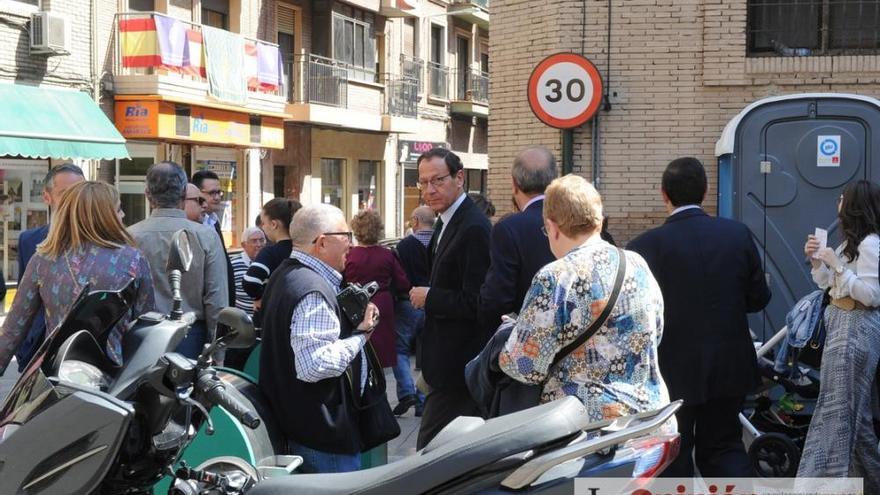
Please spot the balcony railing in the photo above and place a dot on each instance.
(484, 4)
(401, 97)
(472, 85)
(438, 80)
(324, 81)
(138, 53)
(412, 68)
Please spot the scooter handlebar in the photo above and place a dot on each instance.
(215, 391)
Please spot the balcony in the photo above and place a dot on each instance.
(158, 55)
(401, 105)
(414, 69)
(323, 91)
(471, 93)
(473, 11)
(438, 81)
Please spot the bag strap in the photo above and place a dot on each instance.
(598, 322)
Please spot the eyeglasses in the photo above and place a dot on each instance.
(348, 235)
(200, 200)
(215, 192)
(436, 182)
(257, 240)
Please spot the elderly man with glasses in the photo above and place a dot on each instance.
(307, 333)
(209, 187)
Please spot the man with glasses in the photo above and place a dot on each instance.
(458, 256)
(307, 332)
(209, 187)
(194, 204)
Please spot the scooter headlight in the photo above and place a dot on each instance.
(83, 374)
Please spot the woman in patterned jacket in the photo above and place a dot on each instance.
(615, 373)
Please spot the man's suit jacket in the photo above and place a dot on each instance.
(27, 247)
(230, 273)
(710, 274)
(452, 333)
(518, 250)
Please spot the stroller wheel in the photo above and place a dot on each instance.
(774, 455)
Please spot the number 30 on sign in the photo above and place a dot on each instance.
(565, 90)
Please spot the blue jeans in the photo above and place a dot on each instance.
(191, 346)
(408, 322)
(317, 461)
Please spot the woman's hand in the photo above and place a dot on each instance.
(811, 246)
(829, 257)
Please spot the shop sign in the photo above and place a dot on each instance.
(411, 150)
(153, 119)
(224, 169)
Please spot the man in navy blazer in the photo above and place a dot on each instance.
(710, 274)
(458, 256)
(58, 180)
(517, 247)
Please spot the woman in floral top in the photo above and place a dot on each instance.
(87, 245)
(615, 373)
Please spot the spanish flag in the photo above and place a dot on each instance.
(139, 42)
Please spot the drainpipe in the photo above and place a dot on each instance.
(96, 75)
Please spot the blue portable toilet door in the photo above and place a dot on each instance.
(812, 155)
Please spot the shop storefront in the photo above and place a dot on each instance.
(50, 126)
(224, 141)
(409, 156)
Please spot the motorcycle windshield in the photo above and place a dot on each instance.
(96, 312)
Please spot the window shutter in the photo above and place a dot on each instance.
(286, 19)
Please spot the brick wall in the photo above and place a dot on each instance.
(680, 73)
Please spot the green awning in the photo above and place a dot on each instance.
(55, 123)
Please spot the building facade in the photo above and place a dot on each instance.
(676, 72)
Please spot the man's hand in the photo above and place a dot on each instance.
(417, 296)
(371, 319)
(258, 304)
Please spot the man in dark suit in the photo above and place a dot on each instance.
(209, 185)
(518, 249)
(58, 180)
(458, 256)
(710, 274)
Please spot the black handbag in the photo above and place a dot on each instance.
(811, 353)
(512, 396)
(376, 421)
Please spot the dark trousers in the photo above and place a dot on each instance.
(714, 432)
(194, 342)
(441, 407)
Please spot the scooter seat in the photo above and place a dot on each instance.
(497, 439)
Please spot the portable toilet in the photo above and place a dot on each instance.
(782, 164)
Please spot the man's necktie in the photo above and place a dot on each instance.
(438, 230)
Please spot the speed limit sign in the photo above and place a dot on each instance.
(565, 90)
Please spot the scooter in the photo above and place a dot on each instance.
(76, 423)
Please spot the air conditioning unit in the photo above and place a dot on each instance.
(50, 33)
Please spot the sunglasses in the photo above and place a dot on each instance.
(198, 199)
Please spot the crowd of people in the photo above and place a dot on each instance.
(623, 330)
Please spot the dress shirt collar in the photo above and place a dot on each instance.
(446, 216)
(211, 219)
(683, 208)
(332, 277)
(537, 198)
(168, 212)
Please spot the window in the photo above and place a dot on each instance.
(476, 181)
(813, 27)
(331, 181)
(354, 43)
(368, 184)
(437, 44)
(141, 6)
(215, 13)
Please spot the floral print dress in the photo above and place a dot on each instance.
(55, 284)
(615, 373)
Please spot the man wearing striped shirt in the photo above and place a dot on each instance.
(252, 242)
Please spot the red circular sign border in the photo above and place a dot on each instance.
(532, 90)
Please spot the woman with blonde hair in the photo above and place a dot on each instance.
(87, 248)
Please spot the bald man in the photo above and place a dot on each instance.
(193, 204)
(518, 248)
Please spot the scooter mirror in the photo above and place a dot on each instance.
(235, 329)
(180, 257)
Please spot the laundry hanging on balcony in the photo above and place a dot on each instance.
(160, 41)
(268, 77)
(224, 53)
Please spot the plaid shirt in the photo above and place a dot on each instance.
(314, 331)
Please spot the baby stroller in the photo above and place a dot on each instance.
(777, 416)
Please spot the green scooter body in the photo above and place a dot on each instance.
(231, 438)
